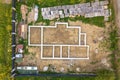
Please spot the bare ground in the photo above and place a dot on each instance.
(98, 56)
(60, 35)
(35, 35)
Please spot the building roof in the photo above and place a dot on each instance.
(85, 9)
(19, 48)
(19, 55)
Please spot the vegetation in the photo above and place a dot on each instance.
(18, 13)
(5, 41)
(98, 21)
(112, 17)
(102, 75)
(25, 44)
(114, 48)
(113, 39)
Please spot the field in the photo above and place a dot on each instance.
(5, 41)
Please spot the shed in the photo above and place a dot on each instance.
(19, 48)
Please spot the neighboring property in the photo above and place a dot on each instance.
(88, 10)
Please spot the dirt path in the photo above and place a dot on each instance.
(117, 21)
(117, 13)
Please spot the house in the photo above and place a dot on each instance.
(89, 15)
(93, 9)
(67, 7)
(60, 12)
(59, 7)
(63, 7)
(62, 16)
(67, 15)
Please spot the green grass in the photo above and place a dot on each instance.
(98, 21)
(5, 41)
(19, 15)
(50, 3)
(112, 17)
(25, 44)
(113, 39)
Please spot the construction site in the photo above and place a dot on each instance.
(60, 47)
(64, 48)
